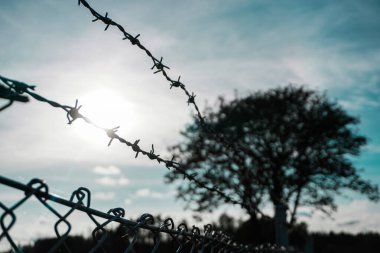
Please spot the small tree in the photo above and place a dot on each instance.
(288, 145)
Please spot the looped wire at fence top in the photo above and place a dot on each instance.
(195, 239)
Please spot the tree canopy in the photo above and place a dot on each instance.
(288, 145)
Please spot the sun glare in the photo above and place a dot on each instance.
(107, 109)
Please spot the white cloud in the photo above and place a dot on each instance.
(104, 195)
(359, 102)
(128, 202)
(147, 193)
(373, 148)
(110, 170)
(356, 216)
(109, 181)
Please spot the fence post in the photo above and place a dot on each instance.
(281, 228)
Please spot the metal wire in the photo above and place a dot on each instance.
(80, 199)
(207, 240)
(72, 114)
(160, 67)
(11, 96)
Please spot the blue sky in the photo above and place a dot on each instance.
(216, 46)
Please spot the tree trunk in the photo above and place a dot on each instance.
(281, 228)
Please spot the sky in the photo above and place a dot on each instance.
(217, 47)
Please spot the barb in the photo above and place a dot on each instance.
(10, 95)
(160, 67)
(80, 201)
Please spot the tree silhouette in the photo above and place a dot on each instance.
(288, 145)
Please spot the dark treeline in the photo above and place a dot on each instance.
(250, 232)
(348, 243)
(262, 231)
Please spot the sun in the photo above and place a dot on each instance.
(107, 109)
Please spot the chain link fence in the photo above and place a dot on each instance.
(181, 238)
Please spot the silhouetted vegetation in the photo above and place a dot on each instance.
(117, 241)
(347, 243)
(287, 145)
(256, 232)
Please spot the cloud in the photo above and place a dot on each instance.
(128, 202)
(110, 170)
(373, 148)
(349, 223)
(304, 214)
(147, 193)
(356, 216)
(104, 195)
(359, 102)
(109, 181)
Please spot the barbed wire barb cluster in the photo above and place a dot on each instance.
(11, 96)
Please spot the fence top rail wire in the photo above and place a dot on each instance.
(39, 189)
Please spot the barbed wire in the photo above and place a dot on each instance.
(72, 114)
(36, 187)
(160, 67)
(11, 96)
(207, 240)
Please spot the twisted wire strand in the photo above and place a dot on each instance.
(80, 201)
(72, 114)
(160, 67)
(11, 96)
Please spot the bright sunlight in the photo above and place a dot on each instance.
(107, 109)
